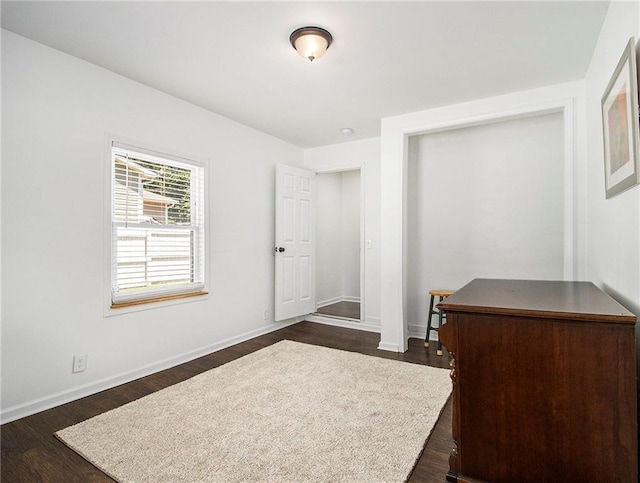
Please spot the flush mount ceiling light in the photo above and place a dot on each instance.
(310, 42)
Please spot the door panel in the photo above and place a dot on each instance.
(305, 282)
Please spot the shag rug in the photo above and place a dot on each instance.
(290, 412)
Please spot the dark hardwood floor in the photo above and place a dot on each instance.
(349, 310)
(30, 452)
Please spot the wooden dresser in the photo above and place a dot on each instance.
(544, 377)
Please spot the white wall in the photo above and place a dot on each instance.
(484, 202)
(338, 237)
(329, 238)
(364, 154)
(56, 110)
(613, 236)
(350, 234)
(613, 224)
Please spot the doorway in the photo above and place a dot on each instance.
(338, 247)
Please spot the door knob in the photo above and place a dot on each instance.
(278, 249)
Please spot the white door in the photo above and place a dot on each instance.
(295, 250)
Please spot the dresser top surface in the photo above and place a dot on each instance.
(537, 298)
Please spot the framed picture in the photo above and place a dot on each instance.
(620, 125)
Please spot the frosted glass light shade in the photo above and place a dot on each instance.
(311, 42)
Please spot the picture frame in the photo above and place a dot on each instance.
(620, 125)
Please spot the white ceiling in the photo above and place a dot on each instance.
(388, 58)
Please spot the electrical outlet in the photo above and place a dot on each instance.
(265, 314)
(80, 363)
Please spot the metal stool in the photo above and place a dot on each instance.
(441, 294)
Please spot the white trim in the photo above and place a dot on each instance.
(386, 346)
(418, 332)
(336, 300)
(153, 150)
(394, 140)
(569, 118)
(41, 404)
(371, 320)
(330, 301)
(346, 298)
(345, 323)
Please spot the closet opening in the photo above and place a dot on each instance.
(338, 247)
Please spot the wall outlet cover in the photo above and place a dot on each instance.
(80, 363)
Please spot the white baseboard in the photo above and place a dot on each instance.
(386, 346)
(47, 402)
(330, 301)
(336, 300)
(346, 323)
(419, 331)
(350, 299)
(375, 321)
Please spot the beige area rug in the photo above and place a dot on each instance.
(290, 412)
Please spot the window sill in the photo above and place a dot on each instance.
(158, 299)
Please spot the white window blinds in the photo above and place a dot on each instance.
(157, 225)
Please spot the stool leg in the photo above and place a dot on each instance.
(439, 351)
(426, 338)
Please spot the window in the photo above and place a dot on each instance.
(157, 226)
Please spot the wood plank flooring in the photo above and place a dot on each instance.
(30, 452)
(349, 310)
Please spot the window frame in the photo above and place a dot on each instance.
(156, 298)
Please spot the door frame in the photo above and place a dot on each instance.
(362, 324)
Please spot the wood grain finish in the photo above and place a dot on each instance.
(544, 383)
(571, 301)
(30, 452)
